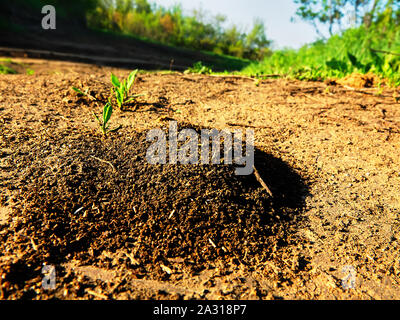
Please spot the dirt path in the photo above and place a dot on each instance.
(329, 154)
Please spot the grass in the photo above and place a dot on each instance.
(6, 70)
(199, 68)
(355, 51)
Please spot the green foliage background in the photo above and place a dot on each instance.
(372, 47)
(199, 31)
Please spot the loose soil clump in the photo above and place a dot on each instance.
(80, 195)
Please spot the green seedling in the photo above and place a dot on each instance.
(79, 91)
(104, 125)
(83, 93)
(328, 90)
(122, 89)
(6, 70)
(379, 91)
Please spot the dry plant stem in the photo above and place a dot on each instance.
(386, 52)
(104, 161)
(244, 77)
(261, 181)
(97, 295)
(232, 124)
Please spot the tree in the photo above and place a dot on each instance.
(256, 38)
(142, 6)
(336, 13)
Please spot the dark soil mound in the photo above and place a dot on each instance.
(81, 195)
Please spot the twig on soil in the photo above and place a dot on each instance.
(212, 243)
(133, 260)
(261, 181)
(104, 161)
(215, 246)
(166, 269)
(1, 291)
(34, 246)
(171, 214)
(188, 79)
(365, 92)
(98, 295)
(232, 124)
(312, 98)
(115, 287)
(244, 77)
(78, 210)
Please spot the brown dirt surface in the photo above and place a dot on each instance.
(357, 80)
(116, 227)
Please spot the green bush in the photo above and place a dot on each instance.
(374, 49)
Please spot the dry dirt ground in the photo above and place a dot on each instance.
(116, 227)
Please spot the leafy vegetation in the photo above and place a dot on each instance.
(83, 93)
(360, 36)
(5, 66)
(122, 89)
(372, 47)
(6, 70)
(199, 31)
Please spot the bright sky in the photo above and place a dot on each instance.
(276, 15)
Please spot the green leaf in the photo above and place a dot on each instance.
(119, 98)
(124, 88)
(78, 90)
(131, 79)
(335, 64)
(132, 98)
(107, 112)
(352, 59)
(115, 81)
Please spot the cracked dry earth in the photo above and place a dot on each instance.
(329, 154)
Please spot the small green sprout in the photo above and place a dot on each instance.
(379, 91)
(79, 91)
(328, 90)
(104, 126)
(83, 93)
(122, 88)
